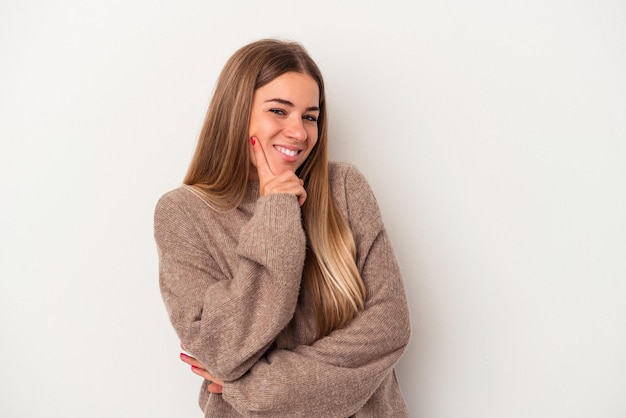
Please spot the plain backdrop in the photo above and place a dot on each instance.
(492, 132)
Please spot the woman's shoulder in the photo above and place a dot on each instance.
(177, 194)
(175, 197)
(352, 190)
(338, 166)
(342, 171)
(182, 199)
(347, 177)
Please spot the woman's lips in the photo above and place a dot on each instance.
(289, 154)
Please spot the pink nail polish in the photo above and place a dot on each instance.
(253, 140)
(184, 355)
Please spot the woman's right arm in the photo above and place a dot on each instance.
(228, 320)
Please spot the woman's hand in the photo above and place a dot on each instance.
(216, 384)
(286, 182)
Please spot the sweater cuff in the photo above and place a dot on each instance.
(274, 236)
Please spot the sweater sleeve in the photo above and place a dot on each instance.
(227, 320)
(336, 375)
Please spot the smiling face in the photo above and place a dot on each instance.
(284, 120)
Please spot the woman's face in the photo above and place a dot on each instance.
(284, 120)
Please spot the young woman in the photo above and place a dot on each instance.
(275, 267)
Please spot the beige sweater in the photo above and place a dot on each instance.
(231, 285)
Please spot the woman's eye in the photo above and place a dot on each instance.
(278, 111)
(310, 118)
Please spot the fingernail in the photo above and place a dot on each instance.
(253, 140)
(184, 355)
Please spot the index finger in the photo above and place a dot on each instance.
(262, 166)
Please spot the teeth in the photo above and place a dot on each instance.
(287, 151)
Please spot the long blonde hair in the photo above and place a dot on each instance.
(330, 274)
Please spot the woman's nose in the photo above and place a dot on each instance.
(295, 129)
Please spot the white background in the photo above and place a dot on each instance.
(492, 132)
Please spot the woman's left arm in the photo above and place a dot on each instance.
(336, 375)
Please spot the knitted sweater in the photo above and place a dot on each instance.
(231, 285)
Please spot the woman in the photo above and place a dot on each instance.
(275, 267)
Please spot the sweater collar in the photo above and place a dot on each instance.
(251, 196)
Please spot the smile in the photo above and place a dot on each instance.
(286, 151)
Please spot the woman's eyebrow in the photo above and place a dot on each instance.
(288, 103)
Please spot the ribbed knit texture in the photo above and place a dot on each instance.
(231, 285)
